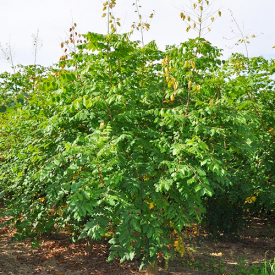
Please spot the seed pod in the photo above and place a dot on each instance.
(189, 84)
(172, 97)
(176, 85)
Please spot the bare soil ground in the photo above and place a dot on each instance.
(60, 256)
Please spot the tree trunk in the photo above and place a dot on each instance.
(153, 268)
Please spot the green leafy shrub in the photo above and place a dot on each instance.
(132, 143)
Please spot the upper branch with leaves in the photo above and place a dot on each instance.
(7, 55)
(141, 26)
(242, 36)
(199, 16)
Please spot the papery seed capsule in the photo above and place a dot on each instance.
(172, 97)
(176, 85)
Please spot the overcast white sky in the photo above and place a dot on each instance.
(20, 19)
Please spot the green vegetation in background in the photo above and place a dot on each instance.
(137, 144)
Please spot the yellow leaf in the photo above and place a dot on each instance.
(190, 84)
(104, 14)
(188, 28)
(186, 63)
(118, 23)
(194, 25)
(188, 18)
(220, 13)
(194, 5)
(212, 19)
(104, 8)
(172, 97)
(250, 199)
(273, 47)
(151, 206)
(41, 199)
(201, 8)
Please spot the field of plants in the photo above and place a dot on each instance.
(125, 144)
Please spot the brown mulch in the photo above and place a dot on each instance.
(59, 256)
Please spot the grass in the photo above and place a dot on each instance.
(216, 266)
(268, 266)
